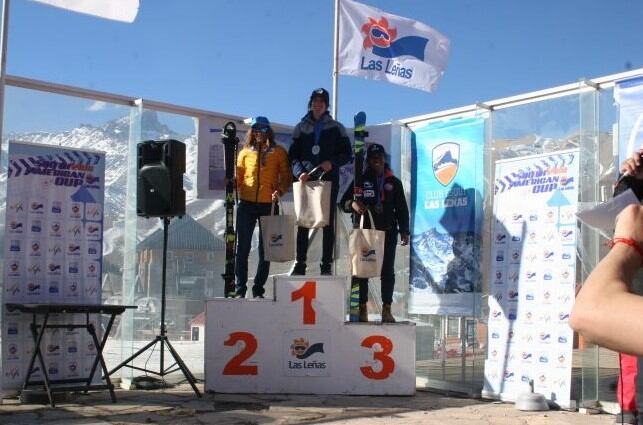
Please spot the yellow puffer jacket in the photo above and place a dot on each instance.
(257, 179)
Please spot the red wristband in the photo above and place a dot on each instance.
(629, 242)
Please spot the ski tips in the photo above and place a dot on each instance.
(229, 130)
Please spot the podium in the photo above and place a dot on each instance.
(300, 343)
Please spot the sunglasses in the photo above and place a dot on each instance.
(259, 129)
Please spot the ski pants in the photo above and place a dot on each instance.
(248, 214)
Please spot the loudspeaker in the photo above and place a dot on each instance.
(161, 164)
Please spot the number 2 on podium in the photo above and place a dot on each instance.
(308, 292)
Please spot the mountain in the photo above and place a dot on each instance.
(444, 263)
(113, 138)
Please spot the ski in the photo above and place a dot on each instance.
(230, 141)
(359, 134)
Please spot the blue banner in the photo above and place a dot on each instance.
(447, 217)
(629, 96)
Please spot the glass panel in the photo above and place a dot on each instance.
(544, 126)
(598, 367)
(46, 118)
(449, 349)
(588, 242)
(190, 270)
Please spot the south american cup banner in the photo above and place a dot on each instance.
(52, 255)
(447, 217)
(380, 46)
(629, 97)
(532, 277)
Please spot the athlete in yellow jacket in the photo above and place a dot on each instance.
(263, 175)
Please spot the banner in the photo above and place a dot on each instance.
(629, 96)
(532, 277)
(380, 46)
(52, 254)
(447, 218)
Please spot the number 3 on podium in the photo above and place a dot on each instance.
(388, 364)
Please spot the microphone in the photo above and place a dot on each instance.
(626, 174)
(621, 178)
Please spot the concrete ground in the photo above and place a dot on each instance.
(180, 406)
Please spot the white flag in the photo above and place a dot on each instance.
(380, 46)
(117, 10)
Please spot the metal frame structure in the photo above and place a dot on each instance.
(582, 86)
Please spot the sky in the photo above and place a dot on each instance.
(261, 57)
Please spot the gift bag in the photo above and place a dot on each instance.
(366, 247)
(312, 203)
(278, 234)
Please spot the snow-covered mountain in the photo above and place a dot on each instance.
(444, 263)
(113, 138)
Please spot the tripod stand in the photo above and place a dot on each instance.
(162, 338)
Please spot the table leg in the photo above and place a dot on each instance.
(38, 353)
(99, 357)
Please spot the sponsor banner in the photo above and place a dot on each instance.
(532, 276)
(629, 97)
(52, 247)
(380, 46)
(447, 218)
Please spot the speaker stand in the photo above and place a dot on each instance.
(162, 338)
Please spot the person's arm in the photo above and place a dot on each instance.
(347, 199)
(605, 312)
(240, 166)
(401, 211)
(285, 174)
(294, 153)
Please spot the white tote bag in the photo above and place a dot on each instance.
(367, 249)
(278, 234)
(312, 202)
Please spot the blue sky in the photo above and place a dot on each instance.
(259, 57)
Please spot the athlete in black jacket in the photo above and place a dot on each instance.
(319, 141)
(383, 196)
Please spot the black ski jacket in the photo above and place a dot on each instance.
(394, 213)
(334, 146)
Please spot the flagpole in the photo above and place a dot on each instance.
(335, 61)
(3, 61)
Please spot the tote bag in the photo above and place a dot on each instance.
(312, 202)
(278, 234)
(366, 247)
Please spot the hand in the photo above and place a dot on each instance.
(275, 196)
(303, 177)
(358, 207)
(326, 166)
(629, 224)
(404, 239)
(632, 165)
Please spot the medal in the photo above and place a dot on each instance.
(316, 150)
